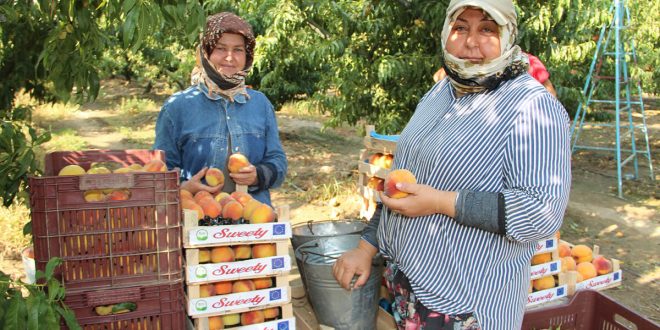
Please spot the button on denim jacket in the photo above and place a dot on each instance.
(194, 129)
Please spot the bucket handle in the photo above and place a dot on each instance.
(305, 254)
(310, 227)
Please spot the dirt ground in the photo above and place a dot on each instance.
(323, 174)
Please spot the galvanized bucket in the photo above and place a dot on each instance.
(334, 306)
(311, 230)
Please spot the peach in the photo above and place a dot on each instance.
(135, 167)
(155, 165)
(567, 264)
(231, 319)
(226, 200)
(375, 182)
(119, 195)
(211, 208)
(232, 210)
(249, 208)
(242, 286)
(587, 270)
(214, 177)
(398, 176)
(271, 313)
(94, 195)
(541, 258)
(220, 196)
(263, 214)
(191, 205)
(242, 252)
(204, 255)
(222, 254)
(206, 290)
(263, 282)
(215, 323)
(72, 170)
(374, 159)
(544, 283)
(98, 170)
(602, 264)
(202, 194)
(236, 162)
(123, 170)
(582, 253)
(252, 317)
(263, 250)
(224, 287)
(241, 197)
(186, 194)
(564, 249)
(387, 161)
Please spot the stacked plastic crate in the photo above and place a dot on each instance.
(116, 225)
(236, 274)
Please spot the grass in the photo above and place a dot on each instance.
(12, 240)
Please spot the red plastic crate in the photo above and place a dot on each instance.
(158, 307)
(587, 310)
(111, 243)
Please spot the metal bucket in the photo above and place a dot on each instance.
(334, 306)
(311, 230)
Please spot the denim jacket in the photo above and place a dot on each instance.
(195, 130)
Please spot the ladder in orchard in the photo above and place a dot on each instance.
(613, 51)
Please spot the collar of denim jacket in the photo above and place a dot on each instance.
(238, 98)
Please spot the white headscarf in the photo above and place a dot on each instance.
(468, 77)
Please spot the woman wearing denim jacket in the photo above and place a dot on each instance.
(218, 115)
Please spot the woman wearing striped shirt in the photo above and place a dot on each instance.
(490, 150)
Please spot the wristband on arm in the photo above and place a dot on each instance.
(481, 209)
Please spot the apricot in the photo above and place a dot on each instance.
(190, 204)
(204, 255)
(211, 208)
(544, 283)
(236, 162)
(72, 170)
(155, 165)
(206, 290)
(231, 319)
(587, 270)
(94, 195)
(119, 195)
(252, 317)
(263, 214)
(224, 287)
(263, 283)
(249, 208)
(602, 264)
(271, 313)
(564, 249)
(215, 323)
(398, 176)
(232, 210)
(241, 197)
(581, 253)
(242, 252)
(242, 286)
(541, 258)
(567, 264)
(222, 254)
(264, 250)
(214, 177)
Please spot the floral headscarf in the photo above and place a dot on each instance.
(467, 77)
(205, 72)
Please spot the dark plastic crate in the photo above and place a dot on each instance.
(587, 310)
(109, 243)
(158, 307)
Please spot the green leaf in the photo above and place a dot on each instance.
(50, 267)
(69, 317)
(16, 315)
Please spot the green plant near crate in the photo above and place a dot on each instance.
(42, 308)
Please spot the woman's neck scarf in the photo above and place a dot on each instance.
(206, 73)
(467, 77)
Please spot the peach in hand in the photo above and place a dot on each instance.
(214, 177)
(398, 176)
(236, 162)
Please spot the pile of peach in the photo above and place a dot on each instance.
(236, 286)
(580, 258)
(102, 195)
(236, 252)
(223, 208)
(245, 318)
(381, 160)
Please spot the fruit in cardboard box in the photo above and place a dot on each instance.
(215, 323)
(603, 265)
(587, 270)
(222, 254)
(544, 283)
(263, 250)
(204, 256)
(231, 319)
(581, 253)
(564, 249)
(271, 313)
(236, 162)
(211, 208)
(72, 170)
(155, 165)
(398, 176)
(232, 210)
(242, 286)
(541, 258)
(224, 287)
(567, 264)
(252, 317)
(262, 214)
(206, 290)
(242, 252)
(263, 282)
(249, 208)
(241, 197)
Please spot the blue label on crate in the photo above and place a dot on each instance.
(549, 243)
(279, 229)
(284, 325)
(553, 267)
(276, 295)
(277, 263)
(617, 276)
(560, 291)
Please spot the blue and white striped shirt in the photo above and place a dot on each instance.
(513, 140)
